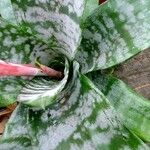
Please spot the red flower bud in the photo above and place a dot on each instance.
(10, 69)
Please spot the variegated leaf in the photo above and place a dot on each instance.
(6, 11)
(133, 109)
(86, 121)
(16, 46)
(116, 31)
(90, 6)
(41, 92)
(57, 23)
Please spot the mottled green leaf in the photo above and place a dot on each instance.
(86, 121)
(90, 6)
(133, 109)
(81, 116)
(5, 100)
(55, 22)
(19, 45)
(6, 11)
(16, 46)
(116, 31)
(40, 92)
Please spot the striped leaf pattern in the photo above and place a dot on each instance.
(57, 23)
(132, 108)
(17, 46)
(115, 32)
(80, 111)
(86, 121)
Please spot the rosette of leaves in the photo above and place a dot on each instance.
(86, 109)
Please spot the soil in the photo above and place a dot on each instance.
(136, 73)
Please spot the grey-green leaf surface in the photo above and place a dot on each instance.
(90, 6)
(86, 121)
(55, 22)
(81, 117)
(6, 11)
(40, 93)
(116, 31)
(16, 46)
(133, 109)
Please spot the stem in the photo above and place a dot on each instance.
(11, 69)
(51, 72)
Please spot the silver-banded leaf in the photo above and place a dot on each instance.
(90, 6)
(86, 121)
(116, 31)
(6, 11)
(16, 46)
(57, 23)
(133, 109)
(40, 92)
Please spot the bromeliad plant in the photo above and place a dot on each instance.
(84, 109)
